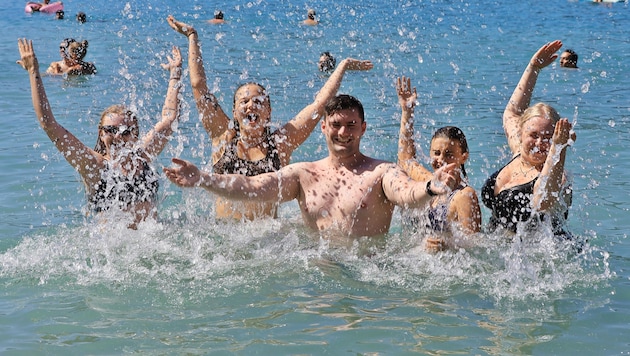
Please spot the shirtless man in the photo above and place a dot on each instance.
(345, 195)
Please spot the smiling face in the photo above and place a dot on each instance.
(118, 129)
(343, 131)
(252, 110)
(536, 130)
(536, 136)
(446, 151)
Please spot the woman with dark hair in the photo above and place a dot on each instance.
(72, 53)
(117, 173)
(451, 218)
(244, 144)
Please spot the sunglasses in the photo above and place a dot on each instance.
(113, 129)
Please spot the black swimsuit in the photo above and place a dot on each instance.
(513, 205)
(438, 215)
(231, 163)
(116, 189)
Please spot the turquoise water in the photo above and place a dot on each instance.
(190, 285)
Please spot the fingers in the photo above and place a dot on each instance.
(179, 161)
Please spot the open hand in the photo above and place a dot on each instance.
(186, 175)
(407, 95)
(444, 179)
(180, 27)
(174, 61)
(546, 54)
(563, 133)
(356, 64)
(28, 59)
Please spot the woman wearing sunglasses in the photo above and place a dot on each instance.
(117, 173)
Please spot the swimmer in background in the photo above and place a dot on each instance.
(533, 186)
(311, 19)
(326, 62)
(568, 59)
(454, 218)
(218, 18)
(118, 172)
(245, 144)
(72, 54)
(59, 15)
(81, 17)
(37, 7)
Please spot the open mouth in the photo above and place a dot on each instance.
(250, 118)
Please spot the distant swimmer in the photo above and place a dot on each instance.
(59, 15)
(568, 59)
(72, 53)
(311, 19)
(326, 62)
(218, 18)
(81, 17)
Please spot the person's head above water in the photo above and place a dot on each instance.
(449, 145)
(568, 59)
(251, 109)
(326, 62)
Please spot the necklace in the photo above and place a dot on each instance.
(525, 172)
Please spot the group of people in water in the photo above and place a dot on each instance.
(344, 196)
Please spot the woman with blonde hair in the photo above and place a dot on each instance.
(117, 173)
(533, 186)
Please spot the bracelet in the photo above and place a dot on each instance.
(429, 191)
(176, 73)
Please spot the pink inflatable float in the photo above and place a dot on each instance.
(50, 8)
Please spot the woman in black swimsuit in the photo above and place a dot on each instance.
(452, 219)
(246, 145)
(533, 183)
(117, 172)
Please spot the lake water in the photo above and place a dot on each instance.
(190, 285)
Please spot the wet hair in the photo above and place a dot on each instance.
(264, 92)
(344, 102)
(65, 44)
(456, 134)
(539, 110)
(573, 57)
(81, 17)
(77, 50)
(116, 110)
(328, 63)
(218, 15)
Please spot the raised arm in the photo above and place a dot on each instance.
(81, 157)
(547, 190)
(522, 95)
(213, 118)
(407, 97)
(298, 129)
(278, 186)
(155, 141)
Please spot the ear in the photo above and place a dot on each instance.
(465, 156)
(363, 127)
(323, 123)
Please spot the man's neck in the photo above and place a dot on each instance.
(349, 162)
